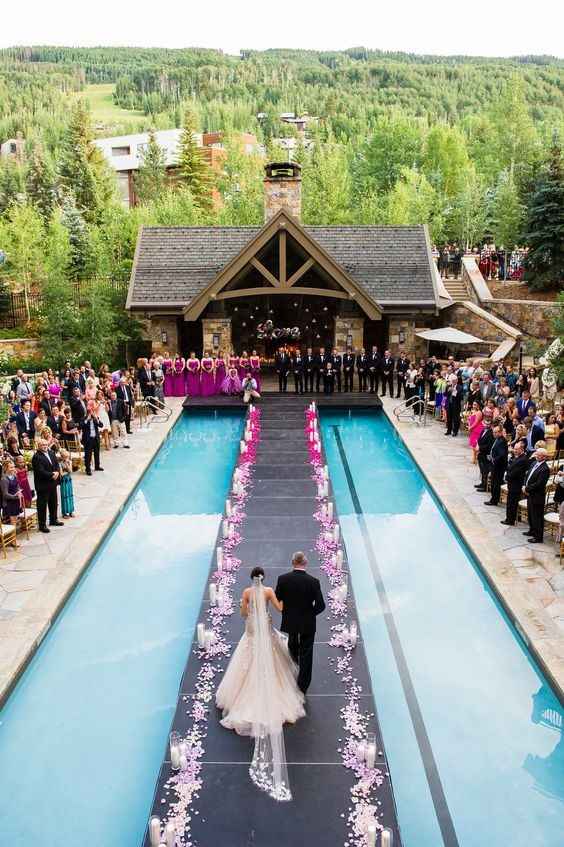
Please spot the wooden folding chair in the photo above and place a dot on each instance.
(7, 536)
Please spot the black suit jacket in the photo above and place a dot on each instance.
(282, 363)
(362, 363)
(303, 601)
(499, 454)
(124, 392)
(297, 365)
(116, 411)
(387, 366)
(516, 472)
(309, 363)
(485, 442)
(78, 409)
(21, 425)
(536, 484)
(374, 361)
(43, 471)
(348, 362)
(336, 361)
(85, 427)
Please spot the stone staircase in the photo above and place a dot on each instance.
(456, 288)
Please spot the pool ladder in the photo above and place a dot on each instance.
(148, 411)
(414, 410)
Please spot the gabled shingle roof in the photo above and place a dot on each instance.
(173, 264)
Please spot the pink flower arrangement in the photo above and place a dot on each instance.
(186, 784)
(363, 808)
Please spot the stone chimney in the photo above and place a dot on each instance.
(283, 189)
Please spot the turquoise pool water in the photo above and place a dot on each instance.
(82, 736)
(472, 730)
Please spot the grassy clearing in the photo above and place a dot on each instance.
(104, 110)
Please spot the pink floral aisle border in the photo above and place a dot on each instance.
(363, 809)
(185, 785)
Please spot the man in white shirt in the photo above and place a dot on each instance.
(250, 388)
(535, 489)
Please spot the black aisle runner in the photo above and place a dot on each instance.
(230, 810)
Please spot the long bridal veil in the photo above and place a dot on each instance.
(268, 768)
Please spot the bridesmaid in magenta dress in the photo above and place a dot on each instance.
(233, 362)
(207, 384)
(178, 378)
(244, 366)
(193, 387)
(220, 370)
(254, 363)
(168, 376)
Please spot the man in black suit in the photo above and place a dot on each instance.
(348, 369)
(282, 365)
(77, 407)
(146, 379)
(485, 442)
(535, 489)
(25, 419)
(387, 373)
(298, 372)
(91, 427)
(303, 601)
(336, 362)
(362, 368)
(374, 360)
(124, 393)
(309, 369)
(515, 478)
(498, 461)
(454, 402)
(402, 366)
(321, 360)
(329, 379)
(46, 477)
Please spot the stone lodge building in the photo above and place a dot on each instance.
(211, 288)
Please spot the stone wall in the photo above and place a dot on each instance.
(532, 317)
(155, 326)
(467, 321)
(20, 348)
(220, 327)
(411, 345)
(345, 327)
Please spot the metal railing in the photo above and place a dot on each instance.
(414, 409)
(148, 411)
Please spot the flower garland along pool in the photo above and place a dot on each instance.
(184, 785)
(358, 750)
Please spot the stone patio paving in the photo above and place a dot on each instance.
(36, 579)
(528, 577)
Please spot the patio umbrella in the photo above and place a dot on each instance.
(450, 335)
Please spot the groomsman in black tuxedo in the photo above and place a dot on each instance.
(374, 369)
(329, 379)
(298, 372)
(362, 368)
(337, 364)
(309, 369)
(387, 373)
(303, 601)
(317, 368)
(282, 365)
(498, 459)
(402, 366)
(348, 369)
(515, 478)
(323, 358)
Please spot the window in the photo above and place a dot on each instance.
(121, 151)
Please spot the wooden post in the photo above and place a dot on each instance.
(282, 256)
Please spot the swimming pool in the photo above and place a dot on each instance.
(472, 730)
(82, 735)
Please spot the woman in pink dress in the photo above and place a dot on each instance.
(207, 384)
(233, 361)
(220, 367)
(475, 429)
(254, 363)
(193, 387)
(178, 378)
(231, 384)
(244, 366)
(54, 387)
(168, 386)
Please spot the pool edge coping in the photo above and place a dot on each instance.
(520, 617)
(35, 638)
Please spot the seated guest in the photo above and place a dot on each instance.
(25, 420)
(535, 489)
(231, 384)
(12, 497)
(524, 403)
(55, 420)
(249, 387)
(69, 429)
(39, 422)
(535, 430)
(13, 446)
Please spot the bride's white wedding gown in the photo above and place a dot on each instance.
(258, 695)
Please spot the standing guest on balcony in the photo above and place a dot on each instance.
(535, 489)
(498, 461)
(46, 476)
(348, 369)
(515, 478)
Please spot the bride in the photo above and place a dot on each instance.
(258, 693)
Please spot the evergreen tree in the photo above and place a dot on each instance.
(150, 179)
(76, 174)
(40, 184)
(11, 184)
(59, 314)
(22, 239)
(80, 263)
(193, 171)
(545, 226)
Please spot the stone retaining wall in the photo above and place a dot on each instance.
(533, 317)
(20, 348)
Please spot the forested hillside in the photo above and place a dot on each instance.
(469, 146)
